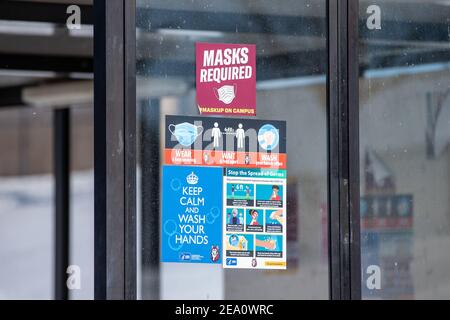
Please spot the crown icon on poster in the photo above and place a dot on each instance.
(192, 178)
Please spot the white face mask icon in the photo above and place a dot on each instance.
(226, 94)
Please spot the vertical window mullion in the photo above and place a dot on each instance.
(344, 244)
(115, 156)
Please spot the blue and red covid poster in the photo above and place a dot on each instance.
(224, 192)
(192, 214)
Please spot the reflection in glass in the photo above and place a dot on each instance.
(404, 154)
(290, 38)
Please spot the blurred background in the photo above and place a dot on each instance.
(404, 153)
(45, 70)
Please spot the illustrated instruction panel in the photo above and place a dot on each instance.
(225, 142)
(254, 226)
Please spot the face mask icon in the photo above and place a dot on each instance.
(185, 133)
(226, 94)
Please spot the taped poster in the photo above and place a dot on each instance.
(191, 215)
(225, 142)
(226, 78)
(247, 159)
(254, 226)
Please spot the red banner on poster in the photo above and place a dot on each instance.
(229, 159)
(226, 79)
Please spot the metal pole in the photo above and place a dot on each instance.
(61, 151)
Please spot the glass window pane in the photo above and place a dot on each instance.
(46, 70)
(290, 38)
(26, 206)
(405, 164)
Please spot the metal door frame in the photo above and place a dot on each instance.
(343, 150)
(115, 149)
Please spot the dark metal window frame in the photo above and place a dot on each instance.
(115, 149)
(343, 150)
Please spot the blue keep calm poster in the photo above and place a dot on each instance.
(192, 214)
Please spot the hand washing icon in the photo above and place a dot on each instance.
(268, 137)
(226, 94)
(185, 133)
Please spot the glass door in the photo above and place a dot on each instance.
(404, 153)
(290, 38)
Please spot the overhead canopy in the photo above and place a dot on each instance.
(36, 47)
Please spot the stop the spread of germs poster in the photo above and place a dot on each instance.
(254, 222)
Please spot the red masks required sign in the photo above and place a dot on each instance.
(226, 79)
